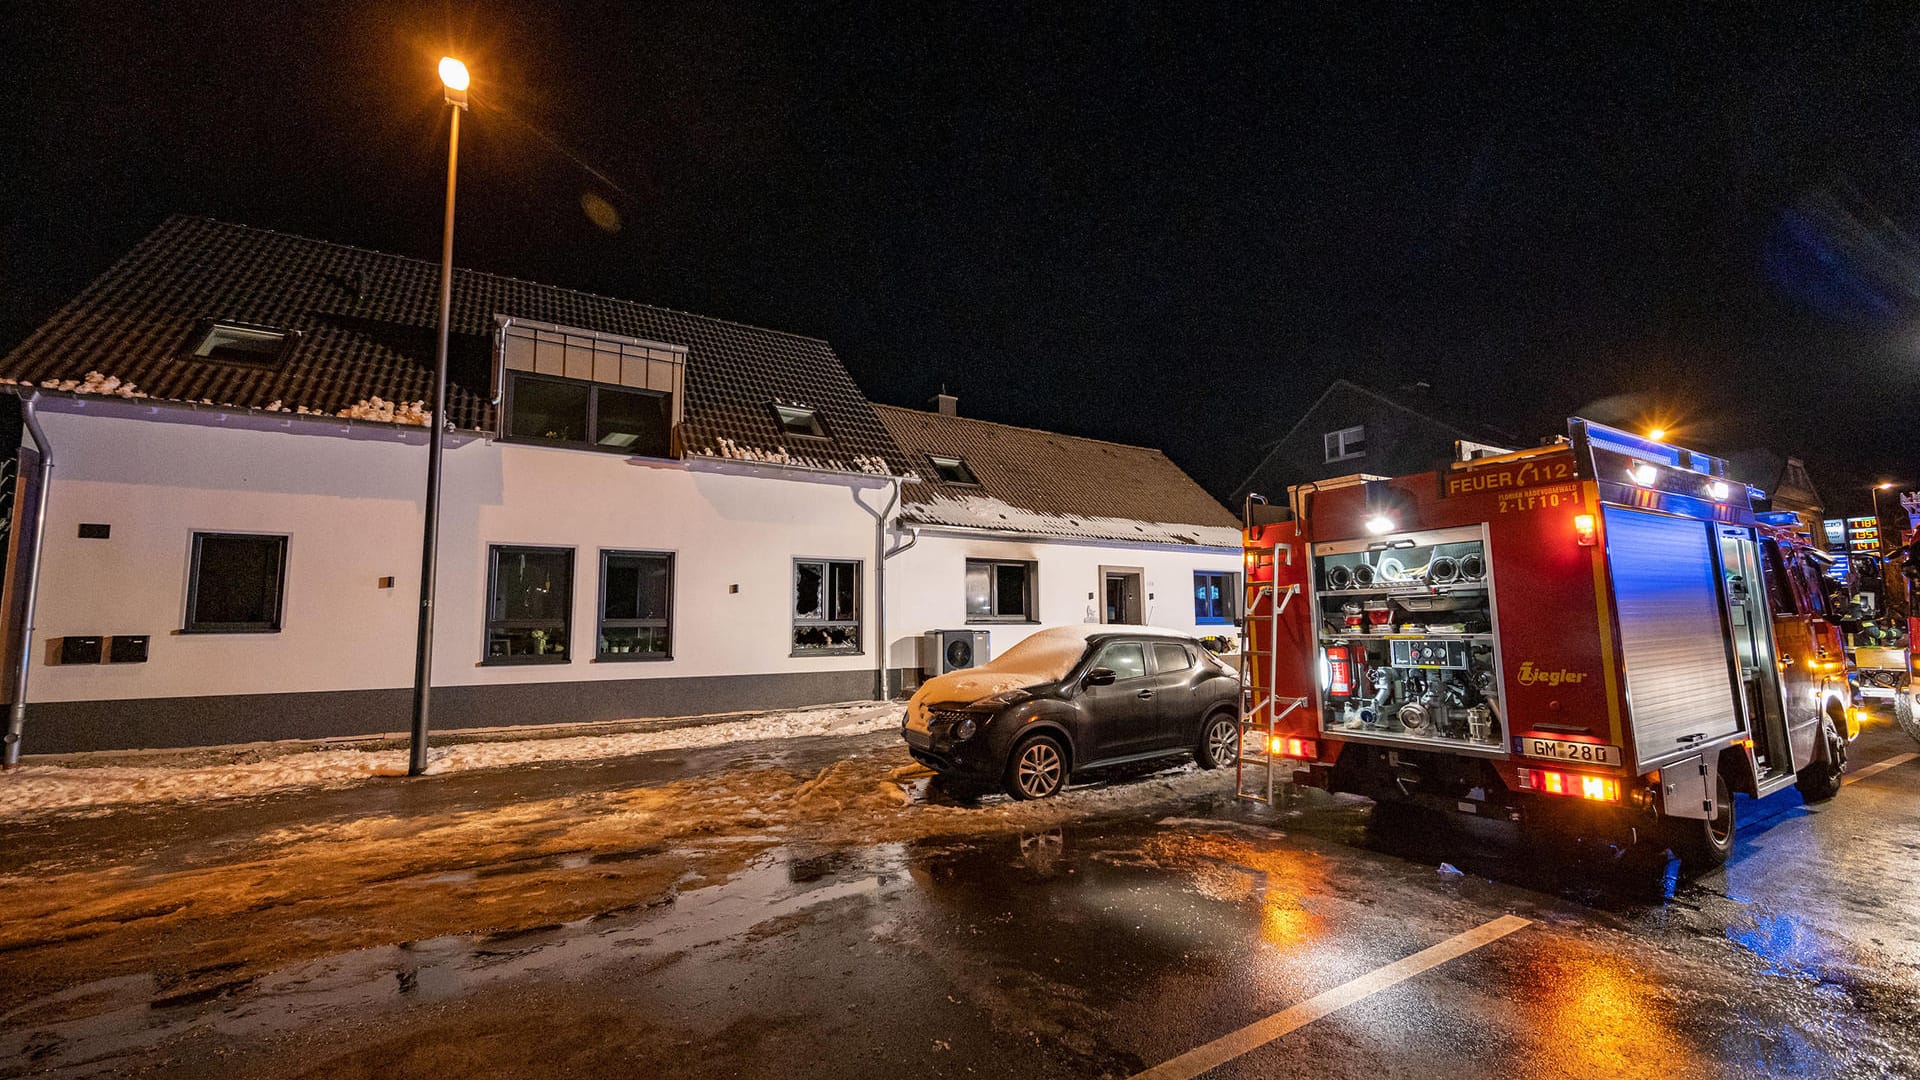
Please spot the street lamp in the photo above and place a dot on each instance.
(1886, 485)
(453, 75)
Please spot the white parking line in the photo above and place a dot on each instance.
(1877, 768)
(1261, 1032)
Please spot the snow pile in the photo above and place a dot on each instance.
(42, 788)
(94, 383)
(389, 412)
(986, 512)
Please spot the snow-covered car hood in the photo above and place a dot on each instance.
(1042, 658)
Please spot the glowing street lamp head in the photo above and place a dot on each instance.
(454, 74)
(1888, 486)
(1658, 434)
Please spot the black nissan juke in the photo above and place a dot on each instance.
(1074, 698)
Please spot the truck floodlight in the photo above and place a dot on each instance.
(1644, 474)
(1379, 523)
(1718, 490)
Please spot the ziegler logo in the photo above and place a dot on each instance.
(1532, 676)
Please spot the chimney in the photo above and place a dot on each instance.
(944, 403)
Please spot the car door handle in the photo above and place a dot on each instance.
(1144, 694)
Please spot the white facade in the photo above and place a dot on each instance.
(926, 585)
(349, 499)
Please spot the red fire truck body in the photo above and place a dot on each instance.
(1602, 634)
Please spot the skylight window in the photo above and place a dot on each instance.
(953, 470)
(799, 420)
(235, 344)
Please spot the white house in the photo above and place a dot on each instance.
(645, 512)
(1006, 529)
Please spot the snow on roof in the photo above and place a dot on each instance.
(994, 515)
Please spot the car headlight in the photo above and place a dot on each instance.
(964, 730)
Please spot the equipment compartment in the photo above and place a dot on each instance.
(1407, 646)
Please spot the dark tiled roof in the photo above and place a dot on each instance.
(1039, 481)
(367, 322)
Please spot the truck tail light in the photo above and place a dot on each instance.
(1583, 530)
(1292, 746)
(1580, 785)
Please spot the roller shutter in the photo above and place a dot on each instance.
(1672, 642)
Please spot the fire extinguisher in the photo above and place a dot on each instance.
(1339, 671)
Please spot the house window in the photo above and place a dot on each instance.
(591, 416)
(237, 584)
(529, 604)
(1346, 443)
(826, 607)
(236, 344)
(953, 470)
(1214, 593)
(636, 605)
(999, 591)
(799, 420)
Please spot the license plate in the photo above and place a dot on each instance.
(1563, 750)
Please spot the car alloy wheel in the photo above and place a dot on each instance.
(1039, 770)
(1223, 742)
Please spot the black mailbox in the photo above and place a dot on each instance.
(80, 650)
(127, 649)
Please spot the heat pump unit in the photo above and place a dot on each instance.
(954, 650)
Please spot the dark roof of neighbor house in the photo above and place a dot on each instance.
(367, 322)
(1418, 399)
(1044, 483)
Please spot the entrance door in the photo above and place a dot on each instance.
(1121, 594)
(1753, 652)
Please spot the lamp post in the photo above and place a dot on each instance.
(453, 75)
(1877, 489)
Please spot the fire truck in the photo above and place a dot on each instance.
(1605, 636)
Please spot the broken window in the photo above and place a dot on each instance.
(999, 591)
(826, 607)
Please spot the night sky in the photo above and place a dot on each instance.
(1162, 228)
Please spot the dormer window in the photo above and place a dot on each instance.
(799, 420)
(587, 390)
(953, 470)
(234, 343)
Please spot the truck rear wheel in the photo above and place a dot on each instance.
(1903, 709)
(1704, 845)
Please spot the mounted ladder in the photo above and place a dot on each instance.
(1262, 710)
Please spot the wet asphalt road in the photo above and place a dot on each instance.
(1100, 946)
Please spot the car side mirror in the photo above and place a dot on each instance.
(1100, 676)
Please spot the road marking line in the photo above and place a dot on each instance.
(1878, 767)
(1261, 1032)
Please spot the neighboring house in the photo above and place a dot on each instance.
(663, 513)
(1354, 429)
(1009, 529)
(645, 512)
(1786, 482)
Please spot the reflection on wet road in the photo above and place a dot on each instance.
(814, 924)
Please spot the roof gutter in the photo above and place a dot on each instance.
(17, 716)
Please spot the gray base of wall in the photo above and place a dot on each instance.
(61, 727)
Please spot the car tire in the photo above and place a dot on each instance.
(1821, 780)
(1704, 845)
(1219, 738)
(1037, 768)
